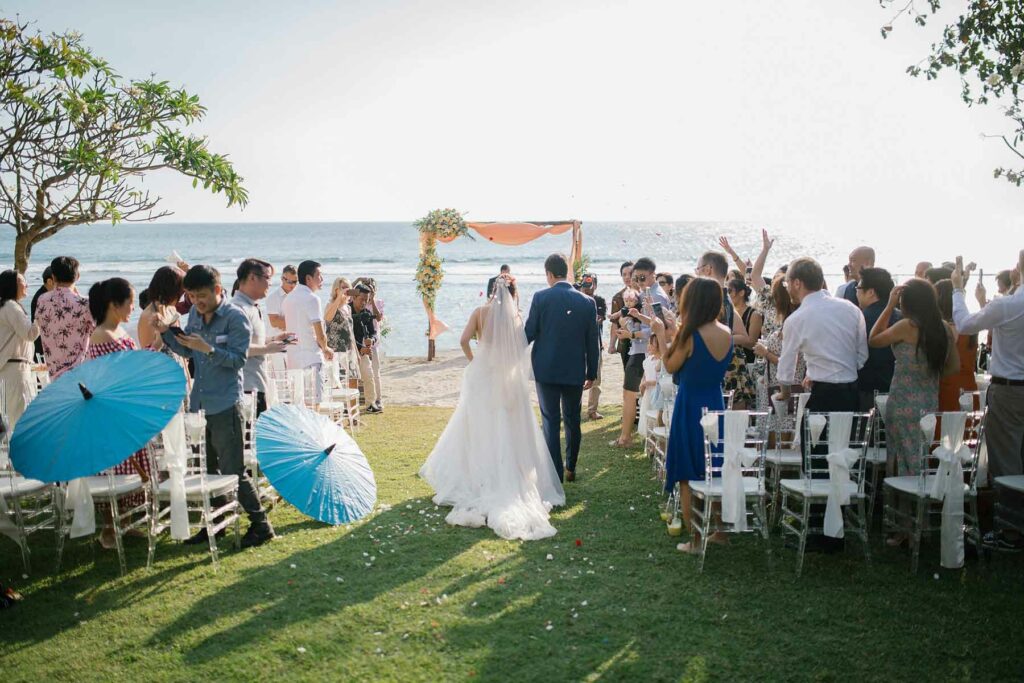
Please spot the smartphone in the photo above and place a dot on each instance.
(981, 275)
(177, 331)
(658, 311)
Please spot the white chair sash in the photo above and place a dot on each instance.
(710, 424)
(79, 499)
(175, 461)
(840, 459)
(948, 485)
(735, 457)
(881, 400)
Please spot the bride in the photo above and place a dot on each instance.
(491, 463)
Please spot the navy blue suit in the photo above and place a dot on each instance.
(563, 328)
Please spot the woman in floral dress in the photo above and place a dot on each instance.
(111, 304)
(338, 315)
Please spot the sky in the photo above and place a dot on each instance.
(794, 114)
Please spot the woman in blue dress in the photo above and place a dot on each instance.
(699, 357)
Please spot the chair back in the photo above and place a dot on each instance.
(826, 433)
(741, 429)
(935, 429)
(788, 414)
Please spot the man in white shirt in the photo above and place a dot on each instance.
(1004, 425)
(303, 315)
(289, 278)
(253, 282)
(831, 335)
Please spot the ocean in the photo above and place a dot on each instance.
(389, 253)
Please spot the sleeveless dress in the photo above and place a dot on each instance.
(700, 386)
(963, 379)
(95, 351)
(914, 389)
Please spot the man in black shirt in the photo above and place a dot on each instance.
(364, 331)
(872, 292)
(47, 287)
(588, 285)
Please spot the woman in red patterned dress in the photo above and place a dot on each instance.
(111, 303)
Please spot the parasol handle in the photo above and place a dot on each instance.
(86, 394)
(327, 451)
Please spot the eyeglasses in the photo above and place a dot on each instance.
(640, 278)
(289, 282)
(665, 283)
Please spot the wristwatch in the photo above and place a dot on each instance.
(209, 354)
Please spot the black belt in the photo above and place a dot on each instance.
(832, 384)
(18, 360)
(1008, 382)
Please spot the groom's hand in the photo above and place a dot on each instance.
(588, 384)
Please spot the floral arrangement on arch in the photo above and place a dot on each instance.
(446, 224)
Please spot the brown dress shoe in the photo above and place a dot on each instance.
(570, 475)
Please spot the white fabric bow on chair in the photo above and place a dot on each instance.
(736, 456)
(79, 499)
(948, 485)
(175, 460)
(840, 459)
(710, 424)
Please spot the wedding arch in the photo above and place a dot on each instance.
(446, 225)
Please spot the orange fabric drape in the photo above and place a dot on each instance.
(511, 234)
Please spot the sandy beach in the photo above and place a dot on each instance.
(415, 381)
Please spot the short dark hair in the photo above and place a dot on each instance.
(64, 268)
(504, 268)
(290, 269)
(47, 274)
(645, 264)
(877, 279)
(557, 265)
(625, 264)
(1004, 278)
(807, 271)
(306, 269)
(165, 287)
(115, 291)
(716, 259)
(250, 266)
(933, 275)
(201, 277)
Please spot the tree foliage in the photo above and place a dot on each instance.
(76, 139)
(985, 48)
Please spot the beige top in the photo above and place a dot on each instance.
(17, 333)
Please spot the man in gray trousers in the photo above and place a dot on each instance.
(1004, 426)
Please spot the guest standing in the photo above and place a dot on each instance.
(289, 279)
(164, 292)
(339, 326)
(47, 286)
(18, 334)
(925, 351)
(668, 286)
(873, 292)
(616, 343)
(1004, 425)
(714, 265)
(110, 304)
(253, 283)
(588, 286)
(698, 356)
(365, 334)
(217, 338)
(951, 386)
(376, 307)
(303, 316)
(65, 323)
(860, 258)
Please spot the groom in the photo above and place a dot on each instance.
(563, 328)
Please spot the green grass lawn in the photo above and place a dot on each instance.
(402, 596)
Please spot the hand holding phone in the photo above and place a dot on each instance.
(176, 331)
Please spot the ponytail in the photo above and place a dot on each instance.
(114, 291)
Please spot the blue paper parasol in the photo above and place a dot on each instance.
(314, 464)
(97, 415)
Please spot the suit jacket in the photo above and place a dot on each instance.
(563, 328)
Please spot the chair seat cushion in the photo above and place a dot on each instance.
(118, 485)
(751, 487)
(814, 488)
(913, 485)
(216, 485)
(344, 394)
(17, 486)
(787, 457)
(1014, 482)
(659, 432)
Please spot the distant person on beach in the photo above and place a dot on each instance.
(47, 286)
(289, 278)
(303, 315)
(504, 270)
(252, 285)
(364, 331)
(588, 285)
(65, 324)
(18, 334)
(217, 338)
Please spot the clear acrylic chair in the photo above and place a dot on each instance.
(1007, 516)
(783, 460)
(911, 507)
(877, 459)
(839, 438)
(265, 490)
(732, 496)
(202, 491)
(339, 401)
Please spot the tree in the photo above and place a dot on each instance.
(76, 139)
(985, 46)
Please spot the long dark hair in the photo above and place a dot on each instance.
(944, 292)
(920, 305)
(115, 291)
(8, 287)
(700, 303)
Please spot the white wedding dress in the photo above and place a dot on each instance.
(491, 463)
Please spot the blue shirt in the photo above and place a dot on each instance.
(217, 385)
(639, 344)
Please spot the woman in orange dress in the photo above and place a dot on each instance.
(966, 346)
